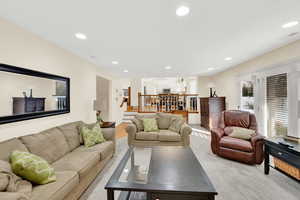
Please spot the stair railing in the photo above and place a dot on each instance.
(148, 103)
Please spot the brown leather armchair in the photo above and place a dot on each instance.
(250, 152)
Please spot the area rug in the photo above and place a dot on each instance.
(232, 180)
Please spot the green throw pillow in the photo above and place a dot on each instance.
(242, 133)
(32, 168)
(150, 124)
(92, 136)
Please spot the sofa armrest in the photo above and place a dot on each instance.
(185, 132)
(131, 130)
(109, 133)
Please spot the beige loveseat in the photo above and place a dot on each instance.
(76, 166)
(163, 137)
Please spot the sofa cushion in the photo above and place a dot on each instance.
(151, 136)
(169, 136)
(8, 146)
(236, 144)
(104, 149)
(58, 190)
(50, 144)
(138, 120)
(164, 120)
(236, 118)
(78, 161)
(71, 134)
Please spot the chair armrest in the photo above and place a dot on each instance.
(216, 135)
(185, 132)
(217, 132)
(131, 130)
(257, 143)
(256, 139)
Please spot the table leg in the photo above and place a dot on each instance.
(267, 160)
(110, 194)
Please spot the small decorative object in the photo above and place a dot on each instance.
(211, 85)
(24, 94)
(30, 93)
(98, 108)
(98, 117)
(214, 94)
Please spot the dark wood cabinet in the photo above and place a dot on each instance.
(210, 111)
(23, 105)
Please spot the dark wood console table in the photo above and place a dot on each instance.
(288, 154)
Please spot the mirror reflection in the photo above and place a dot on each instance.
(23, 94)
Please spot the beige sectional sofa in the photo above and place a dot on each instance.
(163, 137)
(76, 166)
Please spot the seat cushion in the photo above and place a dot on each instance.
(104, 149)
(58, 190)
(169, 136)
(50, 144)
(237, 144)
(71, 134)
(151, 136)
(8, 146)
(78, 161)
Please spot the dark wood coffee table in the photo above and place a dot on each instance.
(160, 173)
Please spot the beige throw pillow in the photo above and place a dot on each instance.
(138, 123)
(242, 133)
(176, 124)
(4, 181)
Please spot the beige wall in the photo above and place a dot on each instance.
(227, 82)
(24, 49)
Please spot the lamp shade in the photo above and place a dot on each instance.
(97, 105)
(211, 85)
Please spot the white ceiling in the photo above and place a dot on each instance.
(146, 35)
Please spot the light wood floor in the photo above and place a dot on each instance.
(121, 130)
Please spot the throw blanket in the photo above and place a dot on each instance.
(13, 187)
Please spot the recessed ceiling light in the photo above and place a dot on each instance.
(228, 58)
(115, 62)
(182, 11)
(210, 68)
(80, 36)
(125, 71)
(290, 24)
(168, 67)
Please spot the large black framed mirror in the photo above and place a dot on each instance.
(27, 94)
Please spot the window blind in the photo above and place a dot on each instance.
(277, 107)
